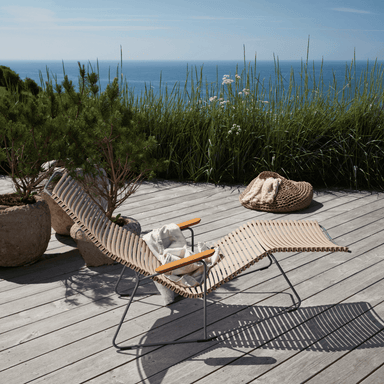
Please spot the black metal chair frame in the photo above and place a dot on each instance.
(205, 338)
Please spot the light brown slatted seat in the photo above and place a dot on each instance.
(240, 249)
(121, 245)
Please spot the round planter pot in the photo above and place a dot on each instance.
(92, 256)
(25, 233)
(60, 221)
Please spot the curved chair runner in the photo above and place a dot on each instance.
(239, 250)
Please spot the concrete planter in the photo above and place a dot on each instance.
(60, 221)
(92, 256)
(25, 232)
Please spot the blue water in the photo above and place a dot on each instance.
(141, 74)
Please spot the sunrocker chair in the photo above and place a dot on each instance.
(239, 250)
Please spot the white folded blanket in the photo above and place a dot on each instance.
(169, 244)
(263, 191)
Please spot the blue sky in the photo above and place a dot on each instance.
(191, 30)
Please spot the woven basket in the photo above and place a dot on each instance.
(291, 195)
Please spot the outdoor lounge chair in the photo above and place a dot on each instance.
(239, 250)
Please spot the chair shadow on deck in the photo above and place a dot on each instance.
(324, 328)
(96, 284)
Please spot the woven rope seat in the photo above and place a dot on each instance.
(291, 195)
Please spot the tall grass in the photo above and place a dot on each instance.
(239, 126)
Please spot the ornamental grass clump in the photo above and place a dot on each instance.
(299, 126)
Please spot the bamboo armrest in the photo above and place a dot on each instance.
(189, 223)
(185, 261)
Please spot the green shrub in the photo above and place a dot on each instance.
(28, 138)
(100, 134)
(10, 81)
(9, 78)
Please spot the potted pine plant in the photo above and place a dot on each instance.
(27, 139)
(102, 140)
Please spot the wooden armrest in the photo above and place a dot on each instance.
(189, 223)
(185, 261)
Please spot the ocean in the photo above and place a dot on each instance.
(142, 74)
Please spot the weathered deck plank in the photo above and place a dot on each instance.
(324, 279)
(376, 377)
(287, 349)
(99, 357)
(57, 317)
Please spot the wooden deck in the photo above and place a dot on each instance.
(57, 317)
